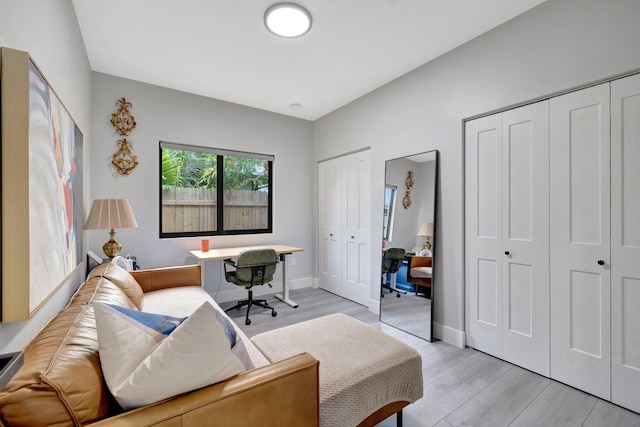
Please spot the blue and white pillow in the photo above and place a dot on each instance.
(237, 345)
(149, 357)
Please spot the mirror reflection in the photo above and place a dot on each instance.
(406, 291)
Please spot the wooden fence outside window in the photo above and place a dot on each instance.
(195, 209)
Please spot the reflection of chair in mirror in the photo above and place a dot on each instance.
(420, 273)
(391, 262)
(253, 268)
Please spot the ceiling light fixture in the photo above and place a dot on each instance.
(287, 20)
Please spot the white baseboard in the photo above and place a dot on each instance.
(448, 335)
(305, 282)
(374, 306)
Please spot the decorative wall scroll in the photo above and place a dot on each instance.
(409, 180)
(406, 200)
(124, 123)
(42, 204)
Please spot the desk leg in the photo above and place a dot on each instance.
(201, 262)
(285, 289)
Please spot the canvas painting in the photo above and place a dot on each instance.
(55, 191)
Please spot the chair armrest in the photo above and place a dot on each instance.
(280, 394)
(168, 277)
(230, 262)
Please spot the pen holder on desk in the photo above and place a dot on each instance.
(204, 245)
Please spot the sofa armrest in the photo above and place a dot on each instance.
(167, 277)
(419, 261)
(280, 394)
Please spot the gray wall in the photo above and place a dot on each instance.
(407, 222)
(167, 115)
(48, 30)
(558, 45)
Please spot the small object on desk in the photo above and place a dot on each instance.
(9, 365)
(204, 245)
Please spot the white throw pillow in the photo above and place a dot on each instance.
(146, 358)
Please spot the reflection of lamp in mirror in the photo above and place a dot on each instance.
(109, 214)
(426, 230)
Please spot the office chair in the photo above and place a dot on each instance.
(391, 262)
(253, 268)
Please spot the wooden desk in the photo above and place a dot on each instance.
(228, 253)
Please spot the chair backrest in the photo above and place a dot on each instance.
(256, 266)
(392, 260)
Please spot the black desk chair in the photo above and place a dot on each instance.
(253, 268)
(391, 262)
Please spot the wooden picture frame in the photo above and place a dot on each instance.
(42, 208)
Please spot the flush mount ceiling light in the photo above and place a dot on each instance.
(287, 20)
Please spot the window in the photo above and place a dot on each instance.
(389, 210)
(208, 191)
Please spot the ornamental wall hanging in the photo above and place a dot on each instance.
(406, 200)
(124, 123)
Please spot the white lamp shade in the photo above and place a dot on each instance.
(106, 214)
(426, 230)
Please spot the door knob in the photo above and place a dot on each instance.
(507, 253)
(330, 234)
(600, 262)
(352, 237)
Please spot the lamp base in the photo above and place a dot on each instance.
(112, 248)
(427, 245)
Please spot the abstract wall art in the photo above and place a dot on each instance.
(42, 208)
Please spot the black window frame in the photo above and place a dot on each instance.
(221, 153)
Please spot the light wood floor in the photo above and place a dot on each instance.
(462, 387)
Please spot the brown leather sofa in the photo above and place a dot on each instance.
(61, 382)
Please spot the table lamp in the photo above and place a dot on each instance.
(110, 214)
(426, 230)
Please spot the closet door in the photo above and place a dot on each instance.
(507, 227)
(625, 242)
(356, 230)
(329, 222)
(525, 237)
(483, 231)
(579, 241)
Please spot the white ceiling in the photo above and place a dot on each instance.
(221, 49)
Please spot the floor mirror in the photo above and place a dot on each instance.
(408, 243)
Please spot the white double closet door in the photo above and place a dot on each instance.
(344, 217)
(507, 235)
(590, 247)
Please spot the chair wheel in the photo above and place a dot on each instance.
(247, 322)
(398, 295)
(274, 313)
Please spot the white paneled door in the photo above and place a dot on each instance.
(344, 215)
(507, 235)
(579, 241)
(525, 237)
(625, 242)
(330, 224)
(483, 230)
(356, 230)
